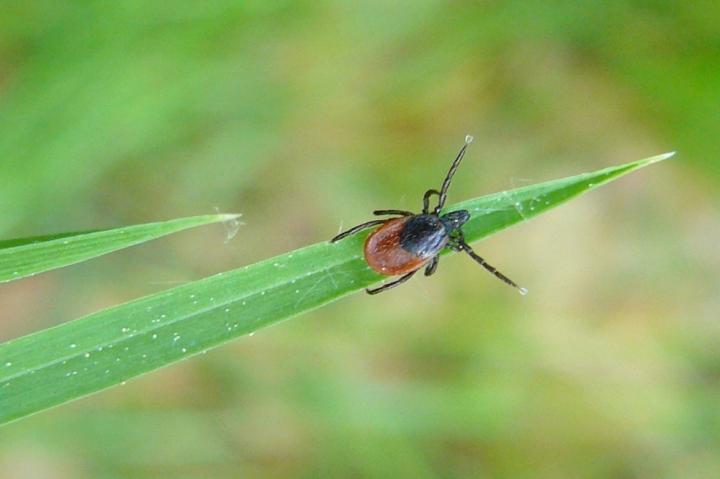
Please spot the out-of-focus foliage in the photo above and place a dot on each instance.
(306, 115)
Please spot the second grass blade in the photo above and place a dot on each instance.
(24, 257)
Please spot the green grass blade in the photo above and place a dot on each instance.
(28, 256)
(71, 360)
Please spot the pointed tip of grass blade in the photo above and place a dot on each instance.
(664, 156)
(629, 167)
(615, 172)
(228, 216)
(656, 158)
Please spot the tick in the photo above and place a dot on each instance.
(401, 246)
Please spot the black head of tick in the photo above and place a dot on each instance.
(454, 220)
(406, 243)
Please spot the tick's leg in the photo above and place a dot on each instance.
(391, 284)
(426, 200)
(451, 173)
(354, 230)
(393, 212)
(460, 245)
(430, 270)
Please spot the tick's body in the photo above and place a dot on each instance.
(403, 245)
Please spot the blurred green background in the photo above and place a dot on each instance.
(307, 115)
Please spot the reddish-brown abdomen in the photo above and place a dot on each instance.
(384, 253)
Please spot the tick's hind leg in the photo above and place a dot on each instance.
(357, 228)
(432, 267)
(461, 245)
(391, 284)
